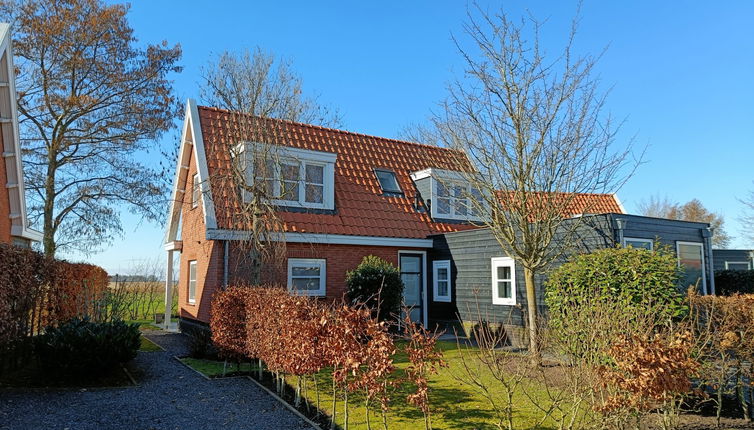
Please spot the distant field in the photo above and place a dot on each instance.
(140, 300)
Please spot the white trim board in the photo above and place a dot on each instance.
(328, 239)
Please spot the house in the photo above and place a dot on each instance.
(343, 196)
(733, 259)
(14, 227)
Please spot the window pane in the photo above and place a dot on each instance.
(443, 206)
(314, 193)
(504, 289)
(738, 266)
(289, 172)
(690, 257)
(315, 174)
(442, 288)
(442, 190)
(410, 264)
(305, 284)
(305, 271)
(460, 207)
(503, 272)
(388, 182)
(638, 244)
(442, 273)
(289, 191)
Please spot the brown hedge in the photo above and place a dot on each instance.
(36, 291)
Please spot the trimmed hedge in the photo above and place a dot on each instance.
(728, 282)
(81, 347)
(377, 284)
(38, 291)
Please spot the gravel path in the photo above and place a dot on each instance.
(170, 396)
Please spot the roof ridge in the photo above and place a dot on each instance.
(336, 130)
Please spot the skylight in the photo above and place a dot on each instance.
(388, 182)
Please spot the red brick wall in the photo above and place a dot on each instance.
(207, 253)
(4, 200)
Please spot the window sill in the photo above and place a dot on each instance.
(504, 302)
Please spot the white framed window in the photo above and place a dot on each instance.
(737, 265)
(292, 177)
(195, 191)
(441, 284)
(638, 243)
(451, 194)
(691, 259)
(307, 276)
(503, 281)
(388, 181)
(192, 282)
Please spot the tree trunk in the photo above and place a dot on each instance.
(531, 306)
(48, 227)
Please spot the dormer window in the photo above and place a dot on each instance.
(388, 182)
(292, 177)
(450, 194)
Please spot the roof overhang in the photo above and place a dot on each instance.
(192, 143)
(327, 239)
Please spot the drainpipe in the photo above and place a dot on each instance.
(708, 246)
(225, 264)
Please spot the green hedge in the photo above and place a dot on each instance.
(80, 347)
(376, 283)
(729, 282)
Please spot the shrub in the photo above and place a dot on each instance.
(81, 347)
(729, 282)
(611, 292)
(377, 284)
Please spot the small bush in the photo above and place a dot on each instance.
(728, 282)
(80, 347)
(377, 284)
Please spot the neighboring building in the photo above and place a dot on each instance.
(351, 195)
(733, 259)
(483, 281)
(14, 227)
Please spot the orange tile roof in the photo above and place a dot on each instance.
(360, 207)
(573, 203)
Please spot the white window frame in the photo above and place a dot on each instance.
(302, 157)
(704, 262)
(399, 191)
(195, 191)
(322, 263)
(640, 240)
(496, 262)
(191, 293)
(747, 263)
(447, 177)
(436, 266)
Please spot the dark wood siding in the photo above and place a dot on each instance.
(470, 253)
(731, 255)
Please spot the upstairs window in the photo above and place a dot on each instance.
(195, 191)
(388, 182)
(292, 177)
(449, 193)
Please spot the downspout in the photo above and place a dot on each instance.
(225, 264)
(710, 263)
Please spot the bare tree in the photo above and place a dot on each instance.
(693, 210)
(89, 98)
(747, 217)
(535, 132)
(262, 94)
(260, 84)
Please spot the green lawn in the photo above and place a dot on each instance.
(454, 404)
(148, 346)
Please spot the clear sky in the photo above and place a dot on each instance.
(681, 75)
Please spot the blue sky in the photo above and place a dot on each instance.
(680, 73)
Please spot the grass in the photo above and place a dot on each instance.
(453, 403)
(214, 369)
(148, 346)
